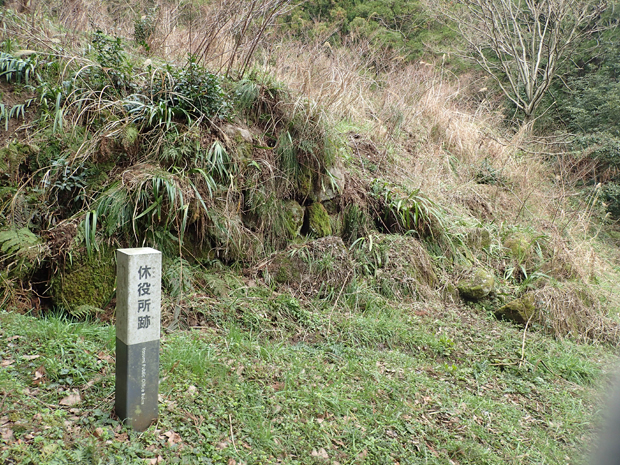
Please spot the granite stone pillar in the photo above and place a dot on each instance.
(138, 314)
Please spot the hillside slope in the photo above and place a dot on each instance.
(360, 265)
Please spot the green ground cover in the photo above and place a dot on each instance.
(323, 382)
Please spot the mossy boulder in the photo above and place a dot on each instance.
(88, 283)
(478, 238)
(450, 293)
(318, 220)
(293, 217)
(477, 285)
(288, 269)
(519, 310)
(305, 182)
(238, 134)
(519, 245)
(332, 183)
(240, 138)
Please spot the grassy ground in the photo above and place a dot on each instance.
(266, 378)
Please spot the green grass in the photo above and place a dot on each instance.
(365, 380)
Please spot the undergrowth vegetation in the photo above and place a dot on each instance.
(105, 148)
(344, 230)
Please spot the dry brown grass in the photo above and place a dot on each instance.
(572, 309)
(446, 134)
(318, 267)
(223, 34)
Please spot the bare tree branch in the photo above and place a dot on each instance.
(235, 28)
(522, 43)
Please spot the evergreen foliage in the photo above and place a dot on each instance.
(404, 26)
(587, 103)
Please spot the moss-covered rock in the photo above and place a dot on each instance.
(332, 206)
(518, 244)
(477, 285)
(337, 224)
(240, 139)
(293, 217)
(478, 238)
(288, 270)
(332, 183)
(450, 293)
(318, 220)
(519, 310)
(238, 134)
(86, 284)
(305, 182)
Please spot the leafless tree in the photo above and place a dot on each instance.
(522, 43)
(235, 28)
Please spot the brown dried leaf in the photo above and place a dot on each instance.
(173, 438)
(105, 357)
(6, 434)
(71, 400)
(94, 381)
(6, 363)
(320, 454)
(222, 445)
(39, 376)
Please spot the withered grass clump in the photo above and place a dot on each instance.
(573, 310)
(399, 266)
(318, 267)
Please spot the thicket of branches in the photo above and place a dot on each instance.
(522, 44)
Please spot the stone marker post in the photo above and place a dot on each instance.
(138, 311)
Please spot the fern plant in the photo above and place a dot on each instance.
(7, 113)
(18, 242)
(14, 69)
(20, 250)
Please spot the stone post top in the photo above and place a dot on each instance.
(138, 251)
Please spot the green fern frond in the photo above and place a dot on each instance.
(19, 242)
(84, 312)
